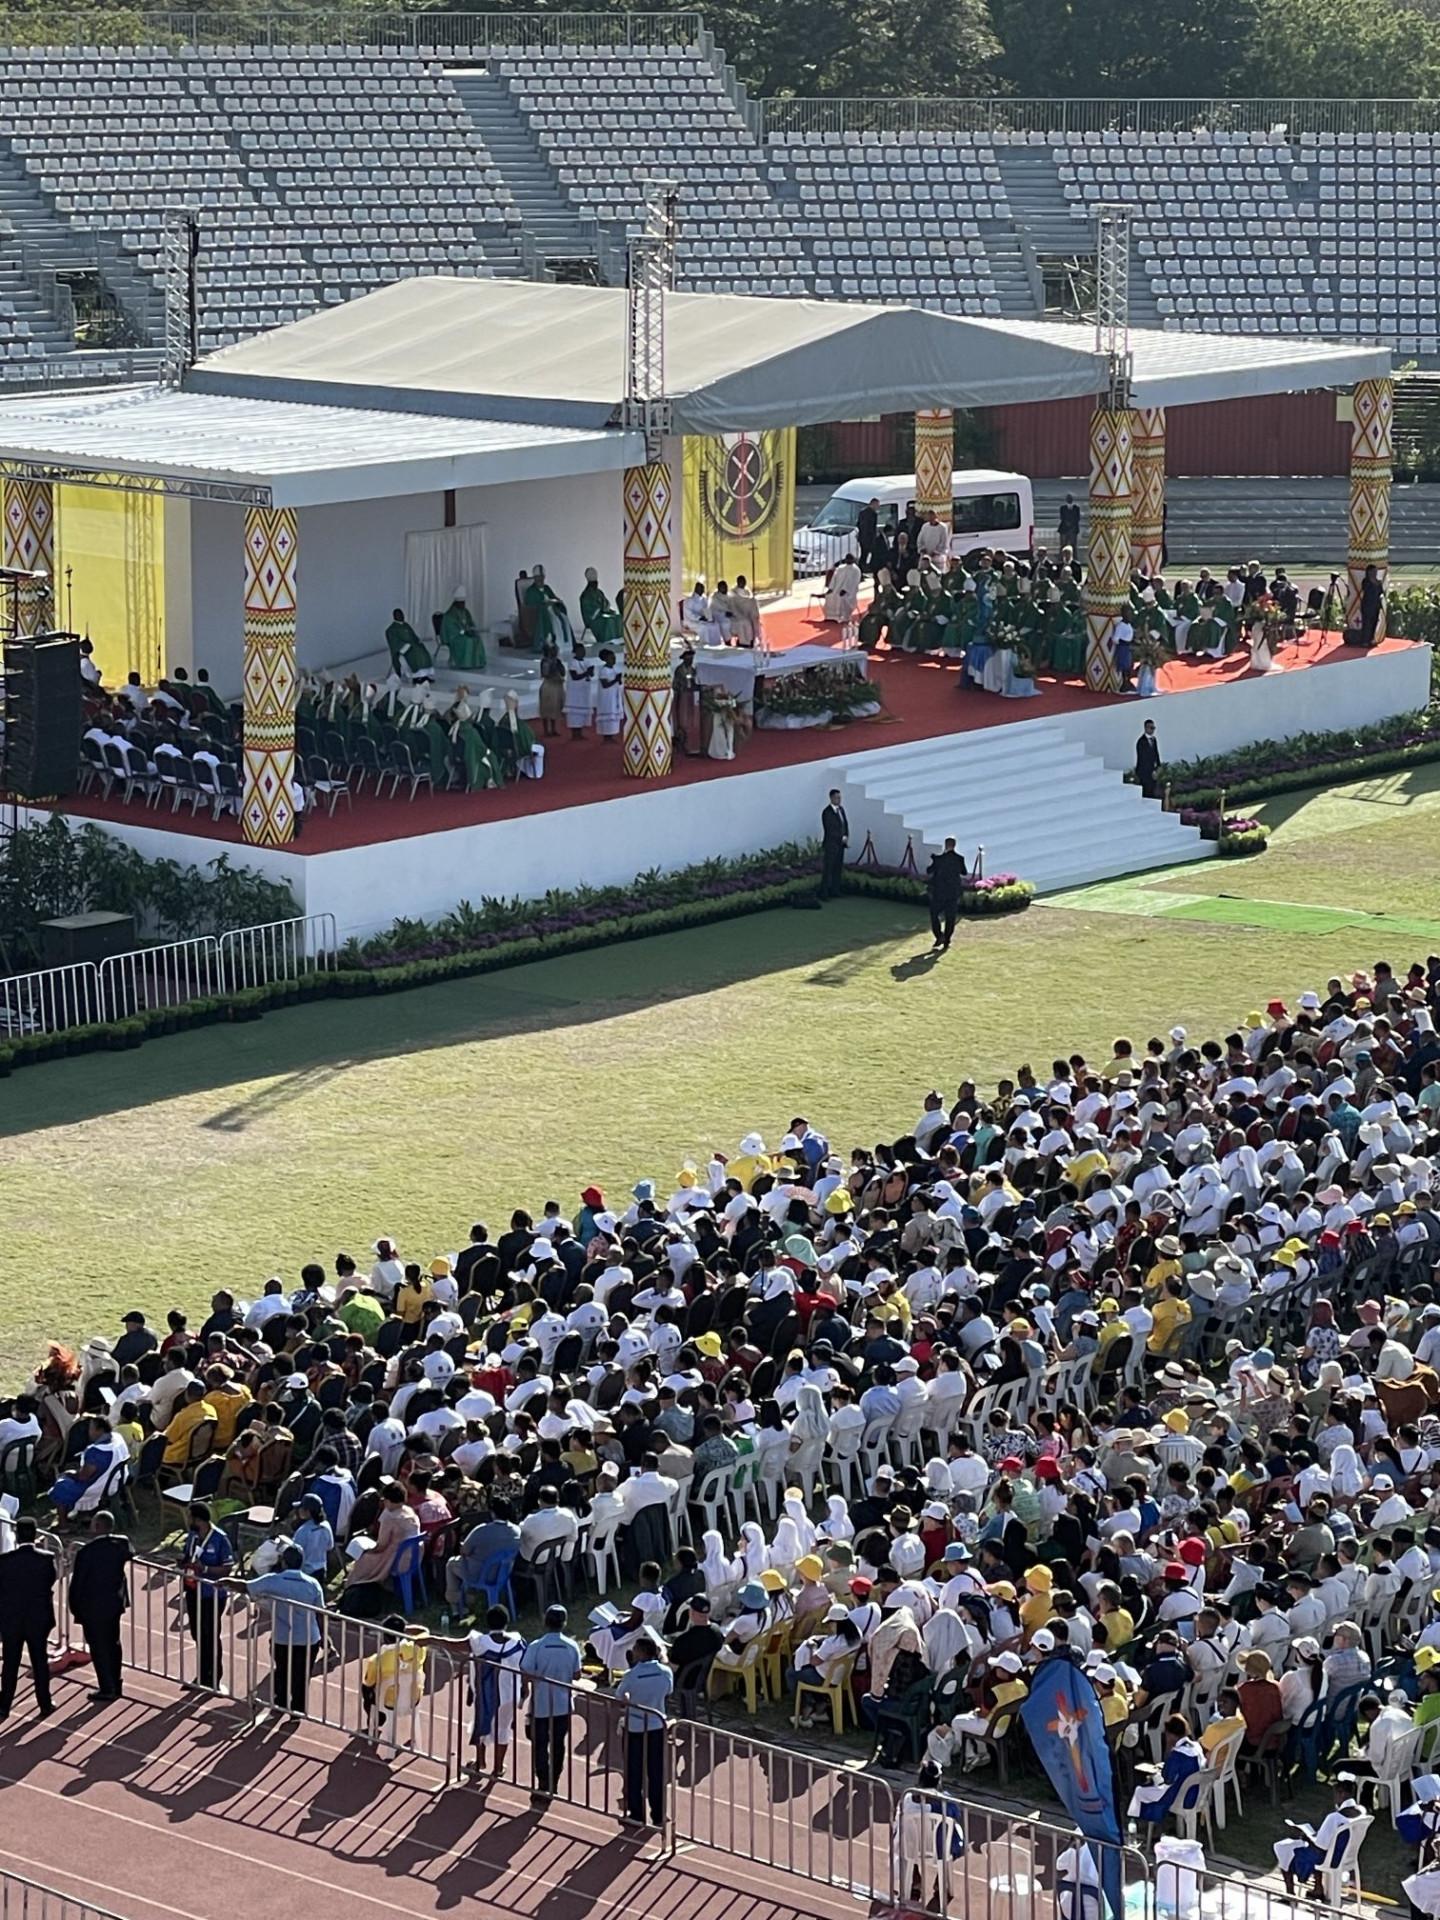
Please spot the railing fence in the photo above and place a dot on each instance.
(1200, 115)
(939, 1854)
(22, 1899)
(53, 999)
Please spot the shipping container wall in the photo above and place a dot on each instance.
(1282, 433)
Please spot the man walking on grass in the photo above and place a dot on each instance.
(943, 880)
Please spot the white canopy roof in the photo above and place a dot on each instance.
(555, 354)
(303, 455)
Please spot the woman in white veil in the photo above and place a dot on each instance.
(804, 1525)
(753, 1550)
(837, 1524)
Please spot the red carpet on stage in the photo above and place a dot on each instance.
(923, 699)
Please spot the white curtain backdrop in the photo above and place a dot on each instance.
(435, 565)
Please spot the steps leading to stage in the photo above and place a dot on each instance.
(1039, 804)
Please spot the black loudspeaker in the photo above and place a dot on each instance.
(42, 716)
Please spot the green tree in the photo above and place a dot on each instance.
(860, 46)
(1366, 49)
(1124, 48)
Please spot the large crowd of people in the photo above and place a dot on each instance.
(1131, 1361)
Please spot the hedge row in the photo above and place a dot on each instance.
(1319, 773)
(1238, 846)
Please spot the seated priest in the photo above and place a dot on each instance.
(597, 616)
(459, 635)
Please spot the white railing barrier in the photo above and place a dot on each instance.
(278, 950)
(50, 1000)
(54, 999)
(161, 976)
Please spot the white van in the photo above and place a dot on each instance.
(991, 510)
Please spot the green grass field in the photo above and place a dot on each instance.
(223, 1156)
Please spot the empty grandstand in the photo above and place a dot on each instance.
(321, 172)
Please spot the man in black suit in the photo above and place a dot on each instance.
(99, 1596)
(867, 534)
(1069, 520)
(834, 838)
(942, 879)
(27, 1613)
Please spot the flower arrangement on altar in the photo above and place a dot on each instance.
(817, 696)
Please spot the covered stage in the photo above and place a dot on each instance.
(585, 822)
(444, 433)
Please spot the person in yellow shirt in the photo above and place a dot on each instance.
(1170, 1315)
(1119, 1624)
(194, 1410)
(1111, 1325)
(1085, 1166)
(1166, 1266)
(751, 1161)
(1037, 1607)
(1113, 1692)
(1227, 1719)
(229, 1397)
(413, 1295)
(393, 1678)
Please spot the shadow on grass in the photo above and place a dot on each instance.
(300, 1047)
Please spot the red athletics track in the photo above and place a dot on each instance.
(160, 1809)
(924, 699)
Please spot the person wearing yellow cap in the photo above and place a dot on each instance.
(1111, 1325)
(1037, 1607)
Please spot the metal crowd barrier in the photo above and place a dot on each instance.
(50, 1000)
(22, 1899)
(842, 1827)
(56, 998)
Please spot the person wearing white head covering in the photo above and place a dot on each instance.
(753, 1550)
(804, 1526)
(1347, 1477)
(811, 1420)
(723, 1573)
(786, 1548)
(837, 1524)
(948, 1637)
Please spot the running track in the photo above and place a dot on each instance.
(164, 1808)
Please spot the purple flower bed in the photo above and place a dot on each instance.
(1208, 820)
(991, 883)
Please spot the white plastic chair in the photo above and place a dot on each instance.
(1392, 1773)
(844, 1461)
(905, 1433)
(603, 1551)
(1346, 1863)
(712, 1496)
(875, 1445)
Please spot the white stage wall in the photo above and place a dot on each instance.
(352, 563)
(607, 843)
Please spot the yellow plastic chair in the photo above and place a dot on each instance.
(745, 1673)
(773, 1655)
(838, 1693)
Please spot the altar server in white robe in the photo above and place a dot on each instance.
(579, 693)
(844, 594)
(610, 697)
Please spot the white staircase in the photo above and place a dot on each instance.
(1040, 805)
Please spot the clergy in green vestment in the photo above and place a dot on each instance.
(458, 634)
(401, 638)
(907, 620)
(482, 768)
(1068, 634)
(548, 613)
(877, 616)
(597, 616)
(515, 746)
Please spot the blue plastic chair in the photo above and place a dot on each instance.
(405, 1572)
(493, 1579)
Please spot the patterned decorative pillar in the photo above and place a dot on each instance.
(27, 544)
(647, 741)
(1147, 512)
(1107, 558)
(934, 461)
(267, 811)
(1370, 438)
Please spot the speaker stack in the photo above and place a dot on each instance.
(42, 717)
